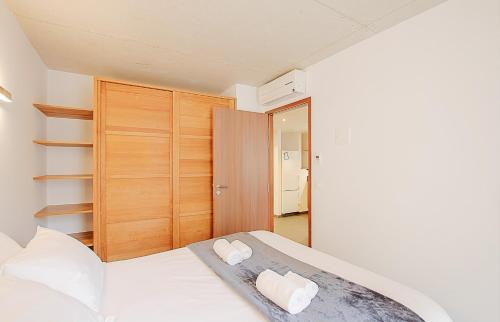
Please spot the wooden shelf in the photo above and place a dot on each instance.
(65, 112)
(86, 237)
(56, 210)
(64, 144)
(64, 177)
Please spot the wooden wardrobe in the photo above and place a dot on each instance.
(153, 168)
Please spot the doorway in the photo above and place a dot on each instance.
(290, 175)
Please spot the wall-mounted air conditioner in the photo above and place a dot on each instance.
(288, 85)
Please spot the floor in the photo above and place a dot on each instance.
(293, 227)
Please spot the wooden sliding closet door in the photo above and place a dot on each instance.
(192, 167)
(134, 137)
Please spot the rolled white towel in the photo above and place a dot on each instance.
(227, 252)
(244, 249)
(283, 292)
(310, 287)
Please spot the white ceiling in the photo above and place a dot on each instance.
(199, 44)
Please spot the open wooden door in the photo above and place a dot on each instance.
(241, 172)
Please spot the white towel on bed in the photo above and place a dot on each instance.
(282, 291)
(227, 252)
(244, 249)
(310, 287)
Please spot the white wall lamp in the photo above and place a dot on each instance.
(5, 95)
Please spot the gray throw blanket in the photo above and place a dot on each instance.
(337, 299)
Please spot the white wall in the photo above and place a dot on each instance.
(415, 196)
(24, 75)
(246, 97)
(74, 90)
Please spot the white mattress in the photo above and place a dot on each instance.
(177, 286)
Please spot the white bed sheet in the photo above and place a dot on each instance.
(177, 286)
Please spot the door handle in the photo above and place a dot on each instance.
(221, 186)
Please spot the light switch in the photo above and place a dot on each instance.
(342, 135)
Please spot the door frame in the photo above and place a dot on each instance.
(270, 113)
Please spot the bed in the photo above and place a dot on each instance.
(177, 286)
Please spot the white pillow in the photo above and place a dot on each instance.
(8, 248)
(62, 263)
(26, 301)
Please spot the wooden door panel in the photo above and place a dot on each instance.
(134, 145)
(201, 105)
(196, 148)
(194, 125)
(189, 168)
(137, 156)
(138, 238)
(132, 108)
(195, 194)
(193, 202)
(195, 228)
(195, 113)
(138, 199)
(241, 139)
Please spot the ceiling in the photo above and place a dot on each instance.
(294, 120)
(199, 44)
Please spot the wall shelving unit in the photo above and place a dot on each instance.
(63, 144)
(65, 112)
(85, 237)
(63, 177)
(58, 210)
